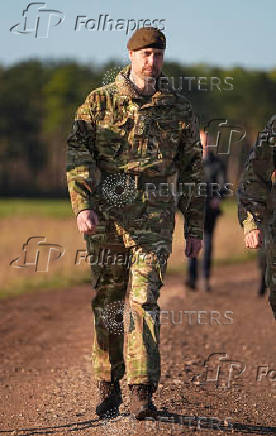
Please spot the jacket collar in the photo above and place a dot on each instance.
(124, 85)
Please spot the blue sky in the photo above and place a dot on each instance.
(240, 32)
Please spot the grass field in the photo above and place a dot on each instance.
(26, 207)
(22, 219)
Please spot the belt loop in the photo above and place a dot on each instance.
(136, 178)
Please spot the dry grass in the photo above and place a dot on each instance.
(228, 242)
(15, 231)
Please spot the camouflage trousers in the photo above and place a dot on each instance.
(270, 250)
(124, 270)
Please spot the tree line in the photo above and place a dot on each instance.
(38, 100)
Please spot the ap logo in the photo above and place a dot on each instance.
(38, 20)
(225, 134)
(38, 254)
(220, 370)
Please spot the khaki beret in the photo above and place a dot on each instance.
(147, 37)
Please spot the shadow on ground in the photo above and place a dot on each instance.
(178, 422)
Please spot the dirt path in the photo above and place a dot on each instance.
(47, 386)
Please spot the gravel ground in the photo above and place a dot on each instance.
(218, 362)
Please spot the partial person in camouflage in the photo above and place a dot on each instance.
(257, 212)
(131, 147)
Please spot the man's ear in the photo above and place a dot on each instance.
(130, 54)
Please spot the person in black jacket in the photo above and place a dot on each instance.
(215, 177)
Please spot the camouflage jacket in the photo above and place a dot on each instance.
(117, 130)
(255, 188)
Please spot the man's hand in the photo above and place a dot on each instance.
(87, 221)
(193, 246)
(254, 239)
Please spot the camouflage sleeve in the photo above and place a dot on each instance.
(191, 203)
(80, 159)
(255, 183)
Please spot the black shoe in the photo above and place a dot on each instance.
(206, 286)
(110, 399)
(141, 405)
(191, 285)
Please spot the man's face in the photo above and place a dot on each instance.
(146, 62)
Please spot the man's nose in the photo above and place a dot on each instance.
(151, 60)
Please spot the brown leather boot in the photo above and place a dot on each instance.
(141, 405)
(110, 399)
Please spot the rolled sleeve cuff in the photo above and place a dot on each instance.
(81, 205)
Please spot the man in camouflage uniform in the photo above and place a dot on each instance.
(131, 143)
(257, 212)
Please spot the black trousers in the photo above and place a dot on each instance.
(209, 227)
